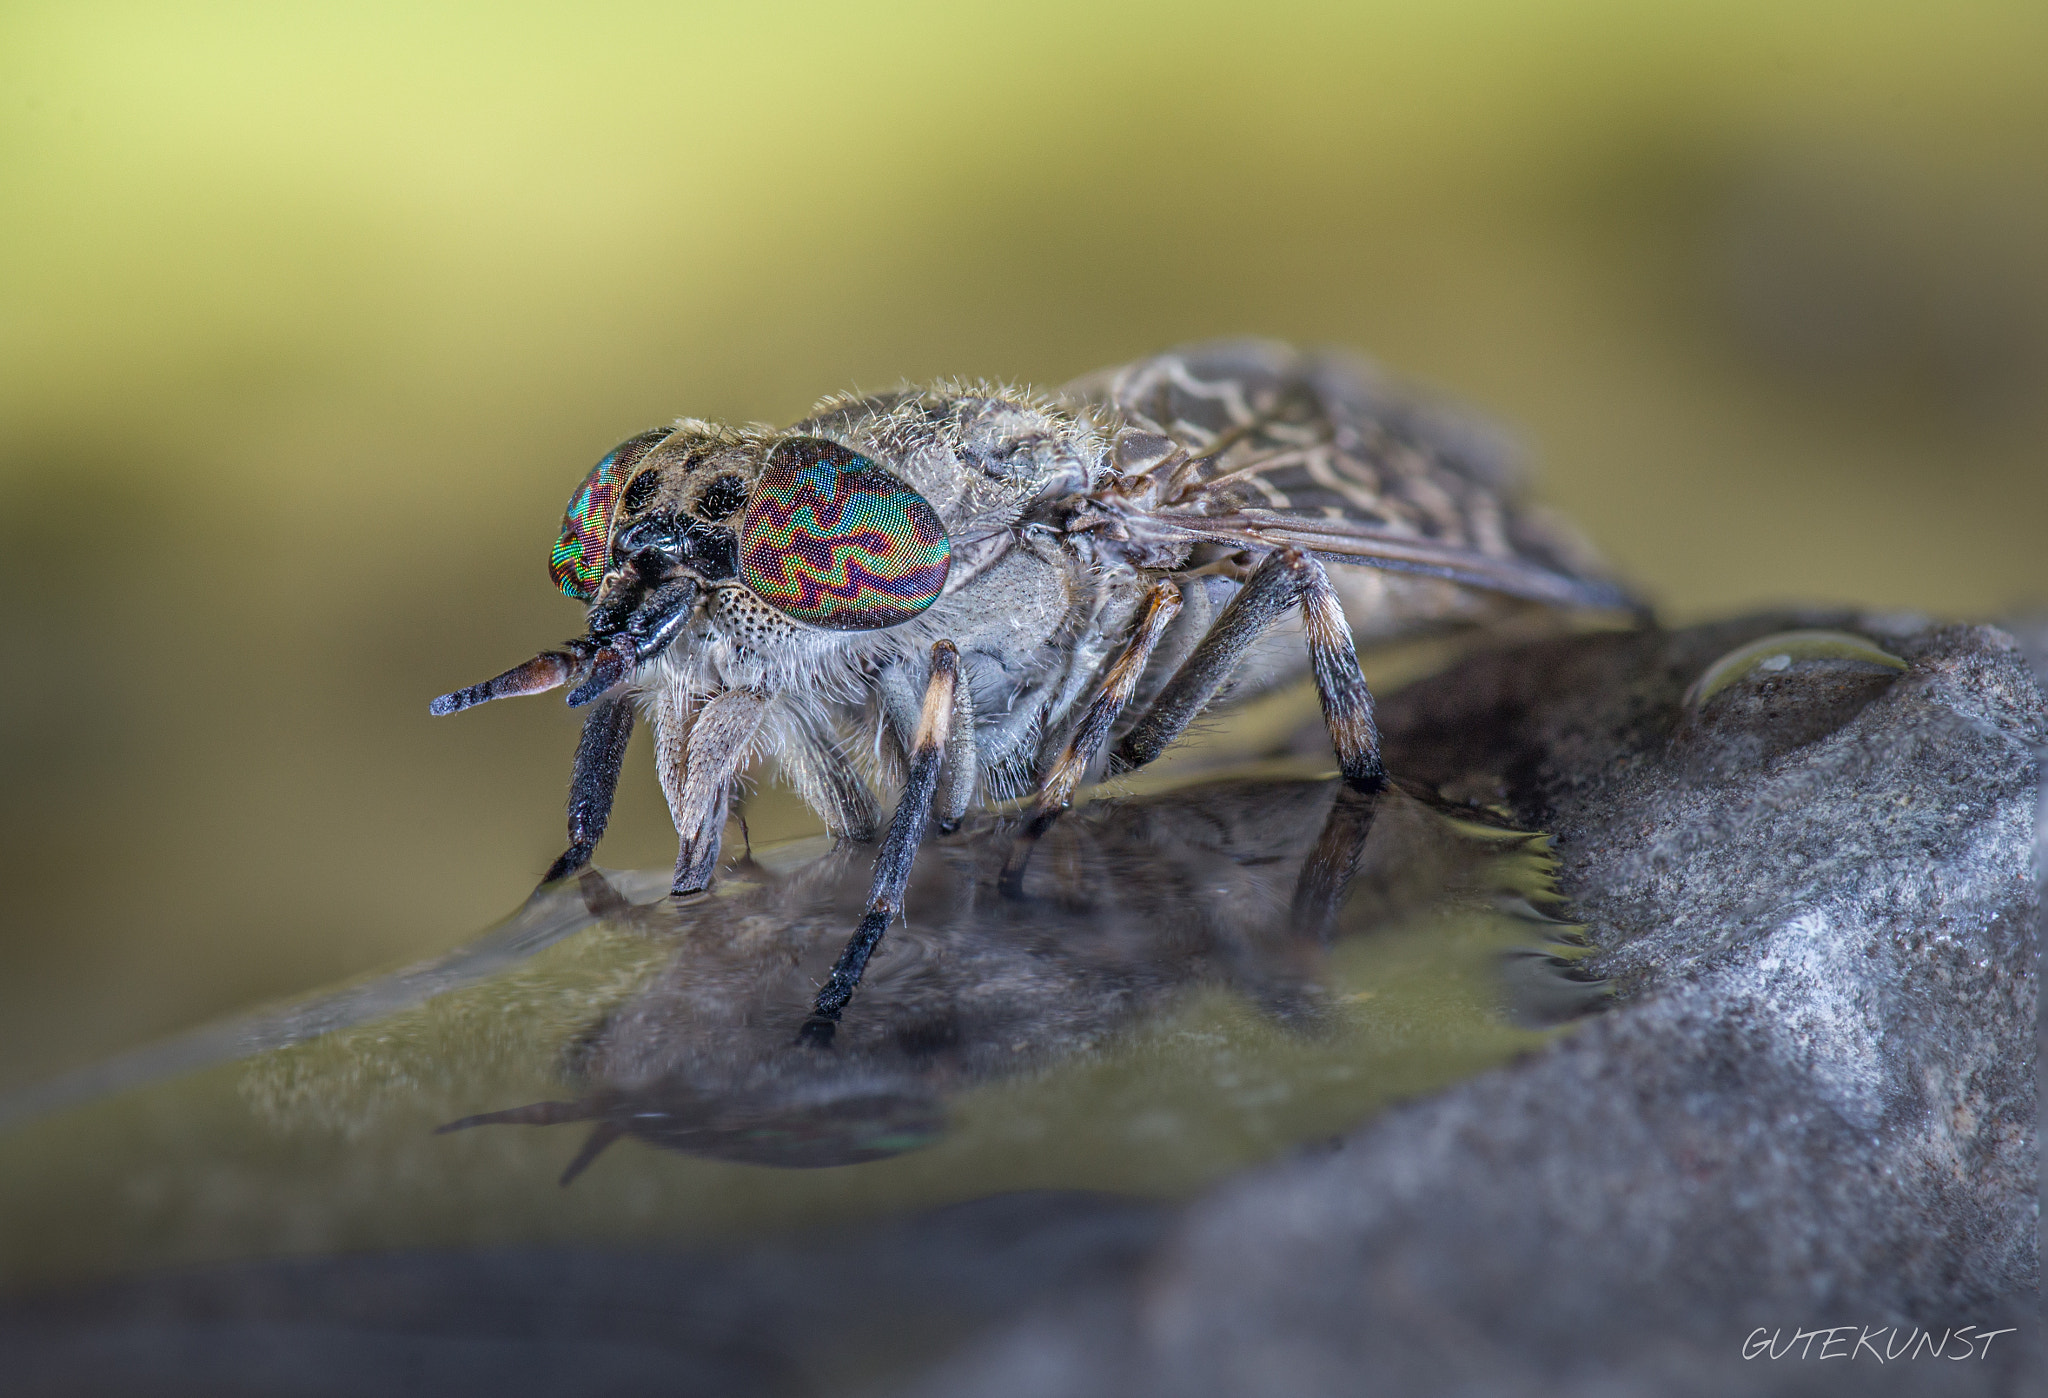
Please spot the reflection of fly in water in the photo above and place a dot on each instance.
(978, 593)
(1130, 908)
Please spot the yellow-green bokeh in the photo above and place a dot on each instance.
(311, 316)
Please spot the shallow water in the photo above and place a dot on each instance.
(1157, 1008)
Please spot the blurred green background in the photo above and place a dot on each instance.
(312, 316)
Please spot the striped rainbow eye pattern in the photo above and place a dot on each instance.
(577, 564)
(832, 539)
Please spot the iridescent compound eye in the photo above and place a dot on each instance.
(577, 563)
(832, 539)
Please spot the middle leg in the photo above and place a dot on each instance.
(1162, 605)
(899, 848)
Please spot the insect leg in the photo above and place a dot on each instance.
(963, 760)
(671, 711)
(825, 780)
(1057, 790)
(899, 846)
(1340, 683)
(1285, 578)
(594, 781)
(1268, 594)
(697, 777)
(1161, 607)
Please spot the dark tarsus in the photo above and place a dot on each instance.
(899, 846)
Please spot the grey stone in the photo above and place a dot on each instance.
(1814, 1105)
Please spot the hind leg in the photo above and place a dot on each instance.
(1287, 578)
(1283, 580)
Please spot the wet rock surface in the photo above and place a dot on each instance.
(591, 1152)
(1803, 845)
(1813, 1106)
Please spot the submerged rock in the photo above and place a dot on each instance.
(1805, 846)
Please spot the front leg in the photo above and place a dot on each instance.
(899, 847)
(699, 755)
(594, 781)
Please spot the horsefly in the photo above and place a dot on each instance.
(968, 593)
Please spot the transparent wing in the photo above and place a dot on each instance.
(1250, 443)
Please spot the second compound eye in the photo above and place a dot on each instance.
(832, 539)
(577, 562)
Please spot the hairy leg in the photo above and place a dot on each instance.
(1263, 599)
(822, 777)
(671, 711)
(1162, 604)
(699, 757)
(1340, 683)
(899, 848)
(594, 781)
(1283, 580)
(1286, 578)
(963, 762)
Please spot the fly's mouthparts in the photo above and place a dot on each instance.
(617, 644)
(608, 667)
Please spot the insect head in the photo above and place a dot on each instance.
(828, 538)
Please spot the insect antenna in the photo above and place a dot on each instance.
(548, 670)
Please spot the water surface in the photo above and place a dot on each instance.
(1163, 1002)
